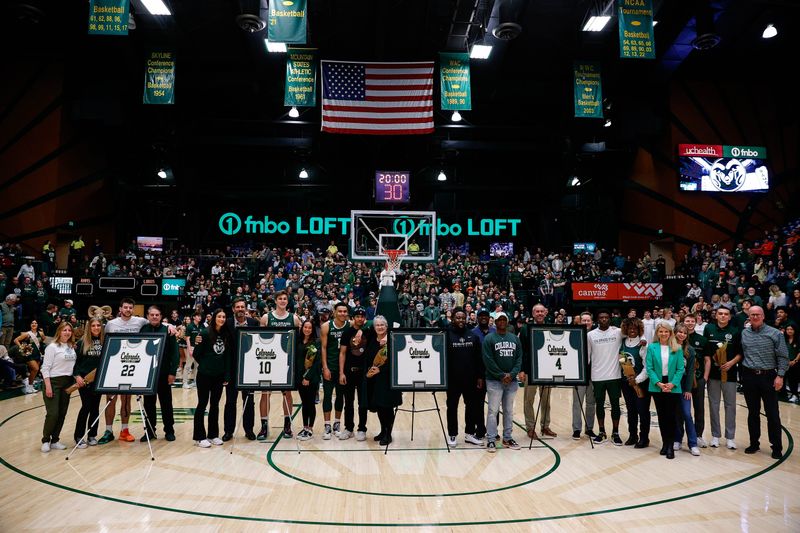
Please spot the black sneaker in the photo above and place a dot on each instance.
(491, 447)
(287, 432)
(777, 454)
(633, 439)
(753, 448)
(226, 437)
(511, 444)
(576, 435)
(590, 434)
(378, 437)
(615, 439)
(262, 435)
(600, 438)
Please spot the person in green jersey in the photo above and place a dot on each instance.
(722, 356)
(330, 338)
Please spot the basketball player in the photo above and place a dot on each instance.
(539, 314)
(584, 396)
(280, 318)
(239, 320)
(351, 373)
(723, 342)
(330, 336)
(165, 379)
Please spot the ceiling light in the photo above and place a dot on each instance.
(442, 176)
(456, 117)
(303, 174)
(608, 123)
(575, 181)
(596, 23)
(162, 173)
(480, 51)
(293, 112)
(156, 7)
(769, 32)
(654, 23)
(278, 48)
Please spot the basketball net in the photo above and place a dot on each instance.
(393, 259)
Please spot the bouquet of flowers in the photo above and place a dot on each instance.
(630, 373)
(311, 355)
(378, 361)
(720, 358)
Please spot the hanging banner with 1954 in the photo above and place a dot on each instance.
(418, 359)
(266, 359)
(129, 363)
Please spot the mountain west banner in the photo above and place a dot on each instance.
(301, 78)
(287, 21)
(636, 36)
(108, 17)
(588, 91)
(159, 78)
(454, 81)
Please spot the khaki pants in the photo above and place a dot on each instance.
(56, 408)
(530, 408)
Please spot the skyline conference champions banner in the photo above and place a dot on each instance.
(287, 21)
(454, 81)
(588, 90)
(108, 17)
(301, 78)
(636, 36)
(159, 78)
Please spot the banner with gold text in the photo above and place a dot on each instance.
(588, 90)
(108, 17)
(287, 21)
(301, 78)
(454, 81)
(636, 36)
(159, 78)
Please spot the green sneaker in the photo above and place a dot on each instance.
(107, 437)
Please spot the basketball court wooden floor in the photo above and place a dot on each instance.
(560, 484)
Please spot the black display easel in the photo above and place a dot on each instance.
(539, 406)
(414, 410)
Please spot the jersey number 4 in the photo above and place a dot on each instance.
(558, 363)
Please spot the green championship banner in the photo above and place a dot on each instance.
(287, 21)
(636, 37)
(159, 78)
(301, 78)
(454, 81)
(588, 91)
(108, 17)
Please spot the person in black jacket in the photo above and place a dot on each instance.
(239, 320)
(166, 377)
(213, 354)
(465, 378)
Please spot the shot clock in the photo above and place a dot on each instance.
(391, 186)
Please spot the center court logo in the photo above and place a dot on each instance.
(230, 223)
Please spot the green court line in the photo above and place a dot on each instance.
(275, 467)
(777, 463)
(464, 449)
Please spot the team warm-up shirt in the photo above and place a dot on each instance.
(418, 360)
(267, 359)
(132, 325)
(604, 353)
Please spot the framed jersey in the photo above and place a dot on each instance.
(418, 359)
(266, 359)
(559, 355)
(129, 363)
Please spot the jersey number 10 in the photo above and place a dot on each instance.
(266, 367)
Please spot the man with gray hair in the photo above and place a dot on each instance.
(7, 310)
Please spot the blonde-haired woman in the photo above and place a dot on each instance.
(59, 361)
(88, 350)
(665, 368)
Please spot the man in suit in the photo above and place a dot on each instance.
(166, 377)
(239, 320)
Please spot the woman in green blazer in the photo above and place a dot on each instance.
(665, 368)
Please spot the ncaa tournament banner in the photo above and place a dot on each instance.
(617, 291)
(159, 78)
(636, 36)
(108, 17)
(454, 81)
(287, 21)
(301, 78)
(588, 91)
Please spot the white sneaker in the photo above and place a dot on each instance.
(731, 445)
(45, 447)
(28, 389)
(205, 443)
(344, 434)
(327, 435)
(452, 441)
(701, 442)
(676, 446)
(337, 428)
(216, 441)
(472, 439)
(361, 436)
(793, 398)
(92, 441)
(186, 386)
(715, 442)
(57, 446)
(82, 445)
(695, 451)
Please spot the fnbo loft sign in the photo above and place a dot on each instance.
(232, 224)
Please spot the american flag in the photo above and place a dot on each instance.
(377, 98)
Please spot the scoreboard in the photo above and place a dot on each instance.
(392, 186)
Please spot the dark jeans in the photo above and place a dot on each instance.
(90, 411)
(231, 393)
(355, 384)
(758, 388)
(386, 417)
(164, 393)
(666, 407)
(638, 410)
(473, 408)
(308, 398)
(207, 387)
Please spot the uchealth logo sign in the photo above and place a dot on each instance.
(617, 291)
(233, 224)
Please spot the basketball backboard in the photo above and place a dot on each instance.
(374, 232)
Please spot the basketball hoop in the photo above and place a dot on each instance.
(393, 259)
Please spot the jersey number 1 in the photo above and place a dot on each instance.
(420, 366)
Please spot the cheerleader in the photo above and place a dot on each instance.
(31, 345)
